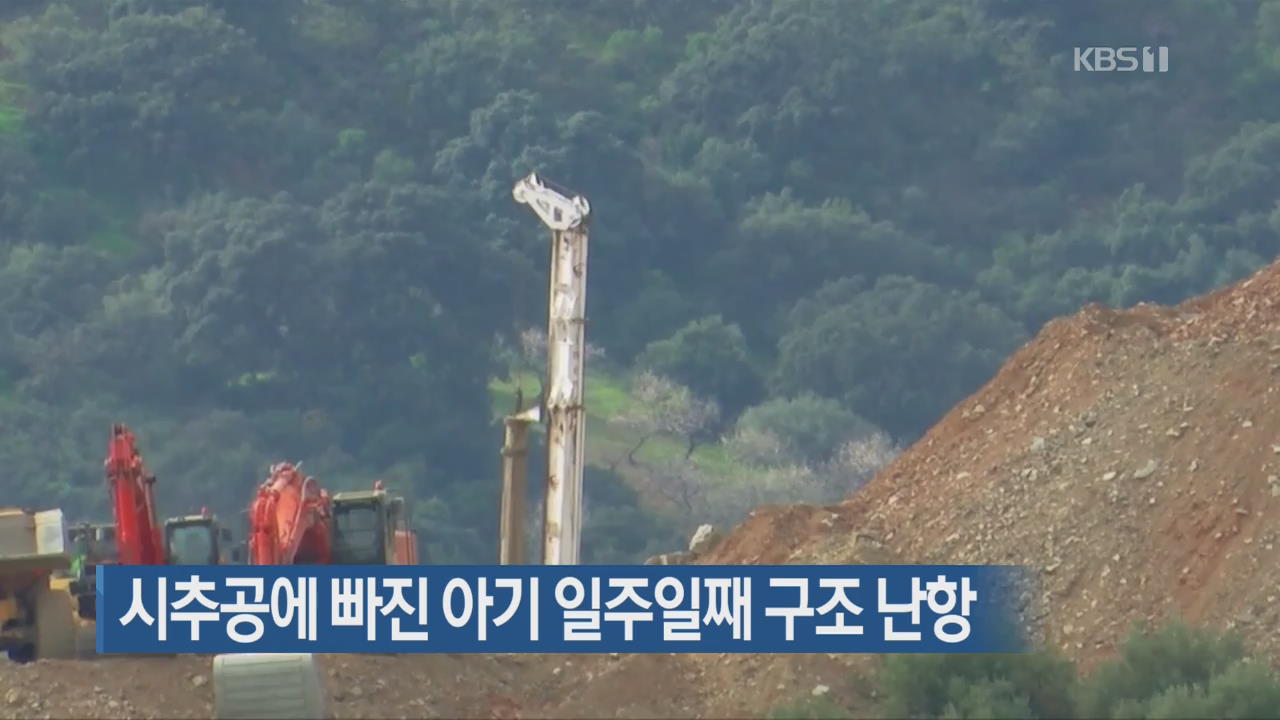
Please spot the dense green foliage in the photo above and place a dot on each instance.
(1177, 672)
(284, 229)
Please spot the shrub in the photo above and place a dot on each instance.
(1035, 685)
(1151, 664)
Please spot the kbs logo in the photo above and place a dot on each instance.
(1124, 59)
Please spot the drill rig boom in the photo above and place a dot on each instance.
(558, 207)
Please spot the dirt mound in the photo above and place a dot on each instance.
(152, 687)
(1132, 456)
(737, 686)
(359, 686)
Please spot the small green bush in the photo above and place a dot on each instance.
(1151, 664)
(970, 686)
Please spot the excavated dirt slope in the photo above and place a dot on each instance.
(1132, 456)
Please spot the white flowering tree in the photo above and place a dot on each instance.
(664, 407)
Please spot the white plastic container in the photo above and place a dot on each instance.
(263, 686)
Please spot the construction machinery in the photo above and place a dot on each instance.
(38, 617)
(200, 540)
(289, 520)
(91, 544)
(294, 521)
(567, 215)
(359, 527)
(371, 527)
(136, 538)
(48, 578)
(139, 540)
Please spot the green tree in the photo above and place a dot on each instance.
(902, 352)
(619, 529)
(810, 427)
(783, 249)
(710, 357)
(186, 91)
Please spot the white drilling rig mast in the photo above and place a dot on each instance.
(566, 213)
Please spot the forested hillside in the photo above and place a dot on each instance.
(284, 230)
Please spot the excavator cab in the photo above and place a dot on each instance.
(91, 545)
(370, 528)
(189, 540)
(199, 540)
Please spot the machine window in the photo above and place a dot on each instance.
(357, 536)
(191, 545)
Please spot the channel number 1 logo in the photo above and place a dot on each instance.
(1123, 59)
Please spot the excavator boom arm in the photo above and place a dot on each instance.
(138, 536)
(289, 520)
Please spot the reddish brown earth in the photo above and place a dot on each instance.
(1132, 456)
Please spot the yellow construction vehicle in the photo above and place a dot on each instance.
(38, 613)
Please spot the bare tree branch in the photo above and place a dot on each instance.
(664, 407)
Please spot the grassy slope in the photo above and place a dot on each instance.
(607, 442)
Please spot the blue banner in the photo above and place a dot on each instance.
(555, 609)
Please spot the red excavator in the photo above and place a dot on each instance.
(293, 521)
(289, 521)
(136, 538)
(362, 527)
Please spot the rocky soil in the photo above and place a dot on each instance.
(1132, 457)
